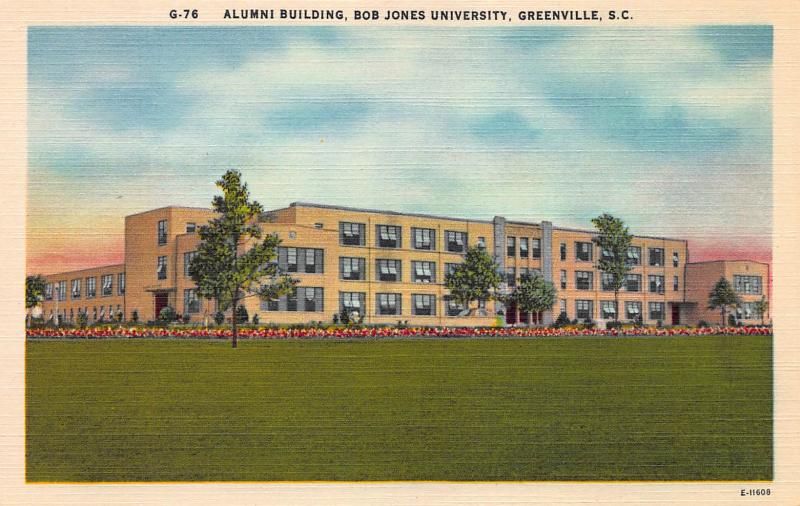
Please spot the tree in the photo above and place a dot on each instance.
(473, 280)
(614, 241)
(722, 297)
(227, 268)
(34, 293)
(762, 307)
(534, 295)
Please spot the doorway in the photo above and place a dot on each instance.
(676, 314)
(162, 301)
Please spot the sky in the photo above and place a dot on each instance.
(669, 129)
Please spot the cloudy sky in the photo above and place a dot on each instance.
(670, 129)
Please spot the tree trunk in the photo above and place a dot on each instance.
(234, 328)
(723, 316)
(616, 305)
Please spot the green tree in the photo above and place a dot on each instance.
(722, 297)
(534, 295)
(473, 280)
(614, 240)
(227, 268)
(34, 293)
(762, 307)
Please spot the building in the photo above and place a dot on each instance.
(390, 267)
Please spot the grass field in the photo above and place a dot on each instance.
(468, 409)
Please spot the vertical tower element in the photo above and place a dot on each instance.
(547, 262)
(499, 251)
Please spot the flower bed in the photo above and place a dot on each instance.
(379, 332)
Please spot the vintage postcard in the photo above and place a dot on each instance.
(384, 253)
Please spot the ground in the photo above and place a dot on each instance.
(687, 408)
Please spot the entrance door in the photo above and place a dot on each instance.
(676, 314)
(511, 313)
(162, 300)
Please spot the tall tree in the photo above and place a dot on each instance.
(614, 241)
(762, 307)
(534, 295)
(722, 297)
(473, 280)
(34, 293)
(227, 268)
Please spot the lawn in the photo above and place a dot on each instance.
(685, 408)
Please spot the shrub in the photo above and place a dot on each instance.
(613, 325)
(241, 314)
(167, 314)
(219, 317)
(82, 319)
(561, 321)
(134, 316)
(659, 323)
(588, 323)
(186, 318)
(732, 322)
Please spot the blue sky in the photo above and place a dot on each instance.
(668, 128)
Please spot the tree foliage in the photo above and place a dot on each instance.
(34, 290)
(762, 308)
(533, 294)
(477, 278)
(614, 240)
(234, 259)
(722, 297)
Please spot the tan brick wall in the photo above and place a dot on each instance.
(93, 306)
(703, 276)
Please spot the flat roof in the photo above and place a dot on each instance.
(171, 207)
(64, 273)
(379, 211)
(727, 261)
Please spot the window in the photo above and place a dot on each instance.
(633, 310)
(388, 270)
(536, 245)
(121, 283)
(524, 272)
(352, 268)
(747, 311)
(423, 238)
(310, 298)
(161, 267)
(187, 261)
(387, 236)
(562, 307)
(191, 304)
(583, 251)
(675, 259)
(511, 276)
(450, 268)
(318, 225)
(351, 234)
(162, 232)
(511, 246)
(656, 283)
(747, 284)
(102, 313)
(656, 310)
(456, 241)
(62, 290)
(482, 243)
(633, 282)
(656, 256)
(563, 251)
(675, 283)
(91, 288)
(106, 282)
(423, 304)
(423, 272)
(584, 280)
(563, 280)
(453, 308)
(48, 291)
(634, 256)
(387, 303)
(523, 247)
(291, 301)
(352, 302)
(607, 281)
(76, 289)
(608, 308)
(94, 313)
(302, 260)
(583, 309)
(190, 228)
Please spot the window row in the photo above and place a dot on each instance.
(390, 270)
(391, 304)
(391, 236)
(162, 232)
(98, 313)
(58, 290)
(532, 247)
(511, 274)
(302, 298)
(584, 309)
(584, 252)
(584, 280)
(750, 285)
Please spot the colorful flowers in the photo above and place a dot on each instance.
(380, 332)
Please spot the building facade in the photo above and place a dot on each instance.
(388, 267)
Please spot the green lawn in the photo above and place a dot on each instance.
(472, 409)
